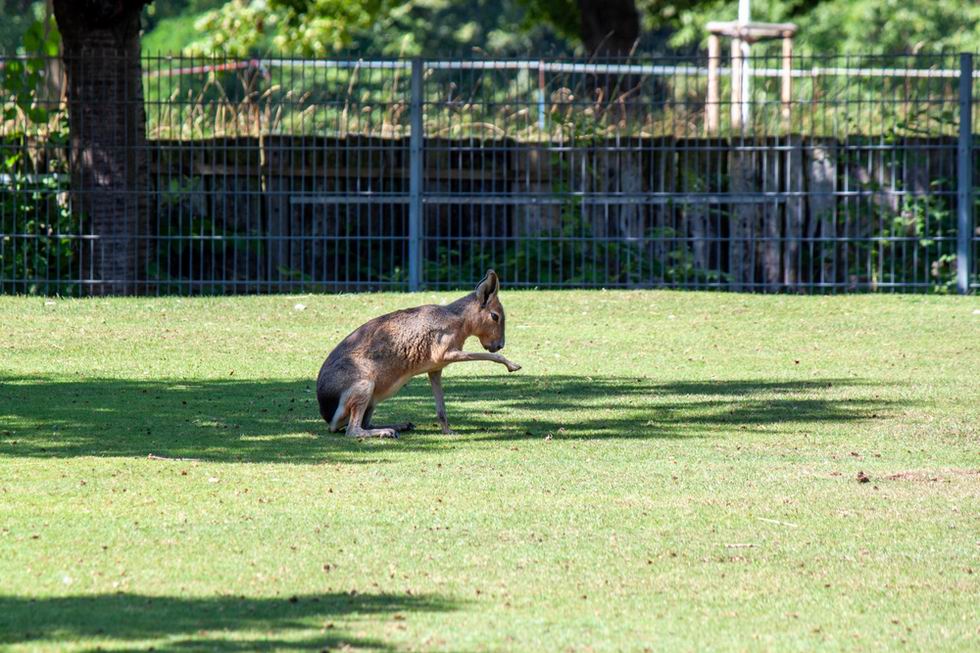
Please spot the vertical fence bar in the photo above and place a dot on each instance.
(416, 170)
(964, 174)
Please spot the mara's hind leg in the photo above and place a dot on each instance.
(358, 407)
(335, 415)
(366, 422)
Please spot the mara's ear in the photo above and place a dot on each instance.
(488, 288)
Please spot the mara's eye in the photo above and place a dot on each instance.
(495, 317)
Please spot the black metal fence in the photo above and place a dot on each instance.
(827, 174)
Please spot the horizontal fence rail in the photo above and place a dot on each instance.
(557, 67)
(825, 174)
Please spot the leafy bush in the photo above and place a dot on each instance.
(37, 252)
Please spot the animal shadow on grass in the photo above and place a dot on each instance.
(262, 421)
(636, 408)
(199, 623)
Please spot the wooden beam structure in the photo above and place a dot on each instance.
(743, 33)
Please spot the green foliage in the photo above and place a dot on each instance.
(859, 26)
(235, 28)
(921, 230)
(160, 10)
(169, 25)
(453, 28)
(21, 78)
(16, 17)
(37, 250)
(34, 215)
(171, 35)
(312, 28)
(325, 27)
(563, 15)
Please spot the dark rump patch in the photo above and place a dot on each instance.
(328, 405)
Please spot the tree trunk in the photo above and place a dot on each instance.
(609, 27)
(107, 125)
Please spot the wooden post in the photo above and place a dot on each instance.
(276, 184)
(744, 32)
(714, 56)
(694, 176)
(744, 223)
(787, 86)
(823, 204)
(737, 79)
(771, 221)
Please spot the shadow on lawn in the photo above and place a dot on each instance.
(203, 623)
(277, 421)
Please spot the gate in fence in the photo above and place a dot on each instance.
(283, 175)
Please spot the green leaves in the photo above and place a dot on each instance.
(21, 78)
(303, 27)
(841, 26)
(42, 39)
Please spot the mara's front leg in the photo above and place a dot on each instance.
(435, 380)
(458, 356)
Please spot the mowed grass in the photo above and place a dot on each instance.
(669, 471)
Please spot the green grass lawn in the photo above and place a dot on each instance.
(672, 471)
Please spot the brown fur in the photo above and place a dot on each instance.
(376, 360)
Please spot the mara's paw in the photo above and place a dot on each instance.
(513, 367)
(374, 433)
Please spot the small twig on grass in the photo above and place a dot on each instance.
(776, 521)
(739, 545)
(156, 457)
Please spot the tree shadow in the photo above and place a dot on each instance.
(630, 407)
(262, 421)
(204, 623)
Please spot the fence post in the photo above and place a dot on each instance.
(711, 105)
(964, 176)
(415, 171)
(737, 78)
(786, 88)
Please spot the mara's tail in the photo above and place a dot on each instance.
(328, 404)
